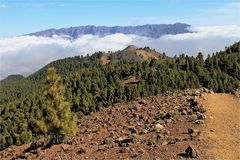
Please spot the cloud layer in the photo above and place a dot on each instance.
(26, 54)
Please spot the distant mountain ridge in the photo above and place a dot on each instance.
(148, 30)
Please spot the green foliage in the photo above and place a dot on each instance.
(16, 122)
(56, 117)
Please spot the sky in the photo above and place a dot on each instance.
(214, 24)
(19, 17)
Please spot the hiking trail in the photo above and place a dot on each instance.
(222, 130)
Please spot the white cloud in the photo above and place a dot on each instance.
(26, 54)
(206, 32)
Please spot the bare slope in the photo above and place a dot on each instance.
(151, 128)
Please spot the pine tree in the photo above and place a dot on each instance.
(56, 119)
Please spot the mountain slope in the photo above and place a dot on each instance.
(158, 127)
(151, 128)
(72, 64)
(91, 85)
(149, 30)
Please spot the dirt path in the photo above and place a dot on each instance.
(222, 130)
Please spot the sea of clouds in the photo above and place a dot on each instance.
(26, 54)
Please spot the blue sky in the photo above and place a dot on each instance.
(19, 17)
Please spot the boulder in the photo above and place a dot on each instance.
(193, 117)
(165, 142)
(201, 116)
(199, 109)
(191, 152)
(159, 127)
(193, 103)
(184, 112)
(124, 142)
(81, 150)
(143, 102)
(132, 129)
(64, 147)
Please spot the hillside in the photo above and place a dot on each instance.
(13, 78)
(158, 127)
(90, 85)
(149, 30)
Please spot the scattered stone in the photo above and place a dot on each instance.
(184, 112)
(141, 117)
(193, 131)
(22, 156)
(103, 147)
(162, 122)
(143, 102)
(35, 145)
(159, 127)
(193, 103)
(162, 115)
(165, 142)
(65, 147)
(166, 132)
(158, 136)
(140, 151)
(69, 142)
(144, 131)
(132, 129)
(168, 120)
(135, 155)
(124, 142)
(107, 141)
(81, 150)
(199, 109)
(177, 107)
(190, 130)
(200, 121)
(151, 142)
(196, 93)
(34, 152)
(191, 152)
(137, 108)
(194, 135)
(201, 116)
(172, 141)
(123, 150)
(194, 117)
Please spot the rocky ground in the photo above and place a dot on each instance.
(169, 126)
